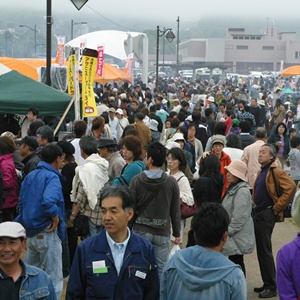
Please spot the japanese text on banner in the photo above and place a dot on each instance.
(89, 108)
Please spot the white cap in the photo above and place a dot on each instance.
(119, 111)
(171, 145)
(12, 229)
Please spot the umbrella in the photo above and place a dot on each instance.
(290, 71)
(255, 86)
(287, 91)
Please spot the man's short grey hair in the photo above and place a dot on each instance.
(45, 132)
(88, 144)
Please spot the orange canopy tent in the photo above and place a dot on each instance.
(290, 71)
(26, 66)
(29, 67)
(111, 73)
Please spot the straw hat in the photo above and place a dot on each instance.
(238, 169)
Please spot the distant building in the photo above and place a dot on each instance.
(241, 53)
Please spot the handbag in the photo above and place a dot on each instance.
(81, 225)
(186, 210)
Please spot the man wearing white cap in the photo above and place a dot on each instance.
(19, 280)
(123, 122)
(177, 106)
(114, 124)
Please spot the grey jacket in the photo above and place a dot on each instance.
(294, 158)
(237, 203)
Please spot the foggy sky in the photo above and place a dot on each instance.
(165, 12)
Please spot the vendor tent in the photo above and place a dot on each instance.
(19, 92)
(26, 66)
(29, 67)
(114, 41)
(111, 73)
(290, 71)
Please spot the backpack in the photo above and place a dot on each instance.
(203, 133)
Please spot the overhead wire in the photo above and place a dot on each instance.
(108, 19)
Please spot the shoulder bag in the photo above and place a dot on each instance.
(187, 211)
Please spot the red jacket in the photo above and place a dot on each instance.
(10, 181)
(225, 161)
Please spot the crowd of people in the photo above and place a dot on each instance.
(119, 181)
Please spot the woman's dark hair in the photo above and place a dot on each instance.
(209, 165)
(278, 102)
(178, 153)
(233, 141)
(125, 130)
(145, 111)
(131, 131)
(192, 125)
(175, 122)
(133, 143)
(34, 126)
(184, 131)
(7, 145)
(172, 114)
(181, 116)
(220, 128)
(105, 116)
(279, 124)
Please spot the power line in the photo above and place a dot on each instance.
(109, 19)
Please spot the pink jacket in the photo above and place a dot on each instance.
(10, 181)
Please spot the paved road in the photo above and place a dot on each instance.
(283, 234)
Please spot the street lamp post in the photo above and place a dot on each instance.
(177, 58)
(49, 23)
(72, 27)
(35, 41)
(170, 36)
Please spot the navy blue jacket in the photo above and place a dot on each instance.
(139, 257)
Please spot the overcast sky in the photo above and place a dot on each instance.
(165, 12)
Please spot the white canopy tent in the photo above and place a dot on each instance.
(116, 43)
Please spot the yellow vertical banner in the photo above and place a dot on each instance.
(89, 64)
(71, 72)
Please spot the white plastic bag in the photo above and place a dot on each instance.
(174, 249)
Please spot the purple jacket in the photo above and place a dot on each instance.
(288, 270)
(10, 180)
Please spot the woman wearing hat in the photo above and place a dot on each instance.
(217, 149)
(237, 203)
